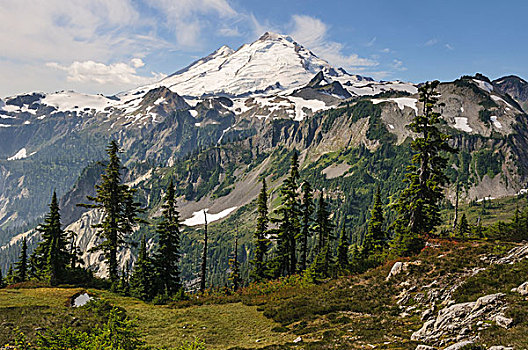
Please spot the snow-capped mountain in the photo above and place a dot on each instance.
(272, 64)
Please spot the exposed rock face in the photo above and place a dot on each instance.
(515, 255)
(397, 268)
(522, 289)
(459, 345)
(459, 321)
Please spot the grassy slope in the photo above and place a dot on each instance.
(220, 326)
(347, 313)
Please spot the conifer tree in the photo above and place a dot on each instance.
(342, 251)
(22, 264)
(286, 261)
(204, 257)
(462, 229)
(322, 262)
(141, 280)
(418, 205)
(235, 267)
(324, 226)
(307, 209)
(260, 237)
(50, 258)
(124, 286)
(10, 277)
(119, 210)
(167, 259)
(2, 282)
(376, 239)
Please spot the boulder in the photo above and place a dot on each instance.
(397, 268)
(503, 322)
(456, 322)
(424, 347)
(459, 345)
(522, 289)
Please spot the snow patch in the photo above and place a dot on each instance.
(461, 123)
(484, 85)
(495, 122)
(70, 100)
(193, 113)
(21, 154)
(301, 103)
(198, 217)
(402, 102)
(160, 101)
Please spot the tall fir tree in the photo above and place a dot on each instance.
(462, 229)
(141, 279)
(2, 281)
(21, 266)
(167, 258)
(342, 251)
(119, 211)
(234, 264)
(323, 226)
(286, 260)
(307, 210)
(51, 257)
(260, 237)
(203, 272)
(376, 238)
(10, 276)
(418, 204)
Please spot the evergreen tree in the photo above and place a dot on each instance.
(167, 258)
(342, 251)
(376, 239)
(418, 205)
(323, 226)
(307, 210)
(124, 286)
(22, 264)
(260, 237)
(2, 282)
(235, 267)
(10, 277)
(322, 262)
(50, 258)
(286, 260)
(141, 280)
(462, 229)
(204, 257)
(119, 210)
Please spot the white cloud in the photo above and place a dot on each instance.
(398, 65)
(312, 33)
(115, 74)
(431, 42)
(449, 47)
(185, 18)
(229, 32)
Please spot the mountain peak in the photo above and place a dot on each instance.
(223, 51)
(271, 36)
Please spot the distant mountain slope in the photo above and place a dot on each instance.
(516, 87)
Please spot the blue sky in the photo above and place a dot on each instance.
(108, 46)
